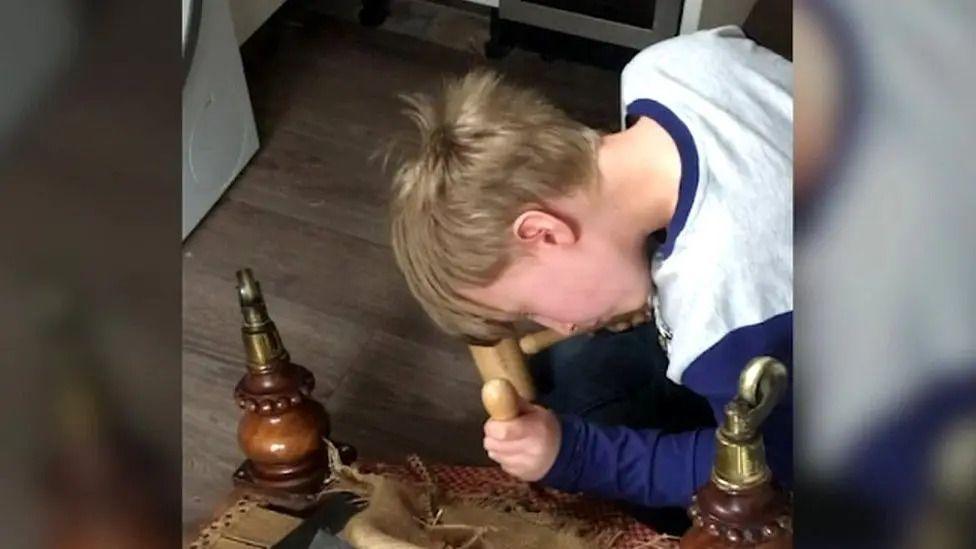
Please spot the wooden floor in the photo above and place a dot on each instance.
(309, 216)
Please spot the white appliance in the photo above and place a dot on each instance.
(219, 133)
(248, 15)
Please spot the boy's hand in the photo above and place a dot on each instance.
(527, 446)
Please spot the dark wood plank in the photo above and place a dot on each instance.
(346, 277)
(403, 397)
(326, 342)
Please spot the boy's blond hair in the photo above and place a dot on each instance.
(488, 152)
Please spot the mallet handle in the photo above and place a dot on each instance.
(500, 399)
(504, 360)
(537, 342)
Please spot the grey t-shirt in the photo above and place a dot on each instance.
(727, 262)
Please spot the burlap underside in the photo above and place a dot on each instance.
(406, 515)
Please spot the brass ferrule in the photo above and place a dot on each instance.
(262, 344)
(740, 456)
(739, 465)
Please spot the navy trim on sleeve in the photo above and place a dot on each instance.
(688, 153)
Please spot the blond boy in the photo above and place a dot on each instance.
(511, 210)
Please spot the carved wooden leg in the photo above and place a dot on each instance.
(283, 429)
(499, 40)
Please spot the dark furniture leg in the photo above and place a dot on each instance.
(374, 12)
(284, 429)
(499, 42)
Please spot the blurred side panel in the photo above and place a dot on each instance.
(886, 274)
(90, 273)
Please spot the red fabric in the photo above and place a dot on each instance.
(601, 516)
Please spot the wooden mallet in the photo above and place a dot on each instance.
(503, 367)
(539, 341)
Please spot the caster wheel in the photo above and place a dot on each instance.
(347, 454)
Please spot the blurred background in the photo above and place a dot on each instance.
(885, 285)
(91, 261)
(90, 274)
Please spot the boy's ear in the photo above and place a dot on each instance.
(538, 227)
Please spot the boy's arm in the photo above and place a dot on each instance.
(647, 467)
(653, 468)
